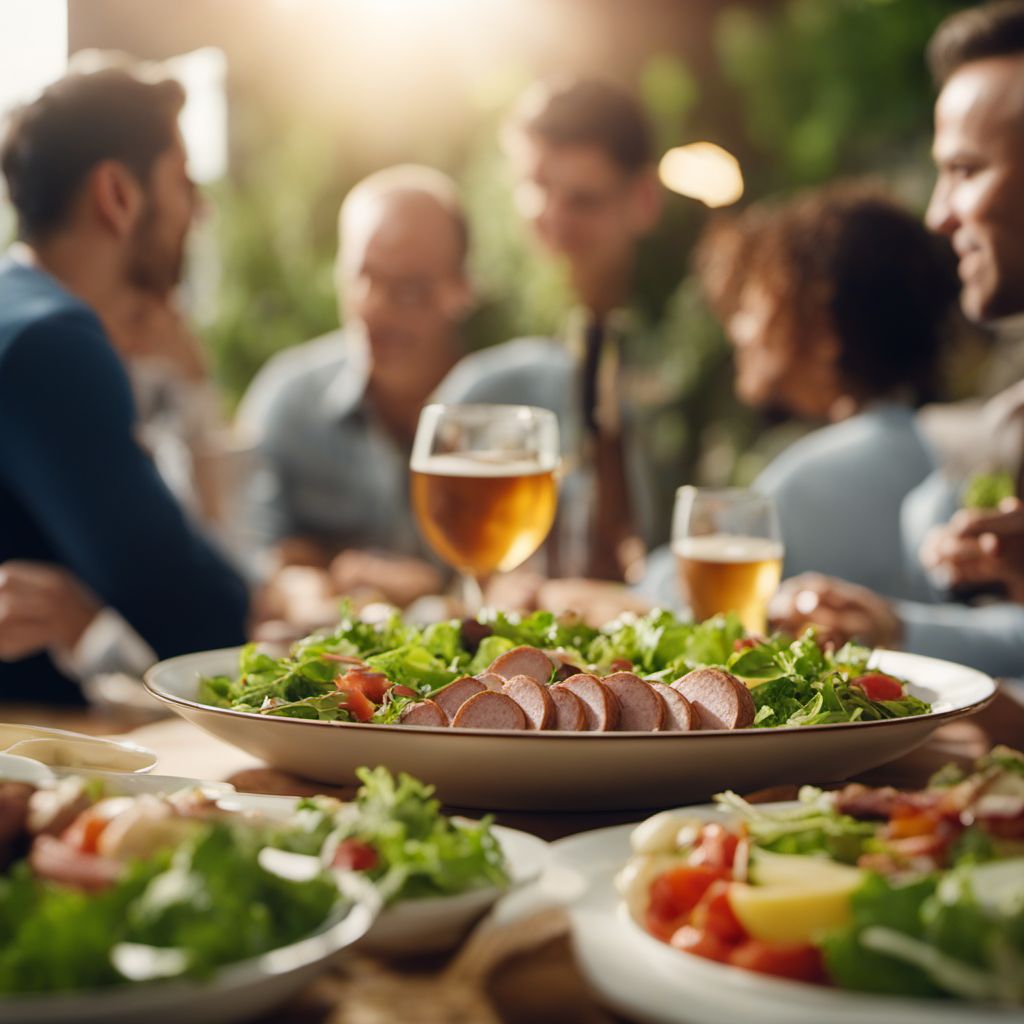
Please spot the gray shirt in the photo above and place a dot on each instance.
(330, 469)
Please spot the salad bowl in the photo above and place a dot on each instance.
(648, 980)
(532, 771)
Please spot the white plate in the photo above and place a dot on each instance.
(60, 748)
(648, 981)
(430, 925)
(236, 992)
(579, 771)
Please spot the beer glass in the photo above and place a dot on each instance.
(728, 552)
(484, 488)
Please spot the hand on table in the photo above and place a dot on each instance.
(398, 579)
(840, 611)
(979, 546)
(41, 606)
(597, 601)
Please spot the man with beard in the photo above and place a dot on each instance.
(94, 551)
(977, 57)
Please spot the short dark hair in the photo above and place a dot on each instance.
(888, 286)
(52, 143)
(587, 112)
(988, 30)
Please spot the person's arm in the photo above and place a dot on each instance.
(68, 455)
(988, 637)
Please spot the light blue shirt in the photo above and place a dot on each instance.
(988, 636)
(330, 469)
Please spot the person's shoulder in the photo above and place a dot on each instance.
(506, 360)
(295, 374)
(33, 307)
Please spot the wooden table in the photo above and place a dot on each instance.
(543, 985)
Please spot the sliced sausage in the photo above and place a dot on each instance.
(600, 705)
(571, 714)
(490, 710)
(681, 716)
(719, 698)
(534, 699)
(424, 712)
(491, 680)
(523, 661)
(456, 693)
(641, 709)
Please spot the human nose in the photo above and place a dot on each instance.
(939, 217)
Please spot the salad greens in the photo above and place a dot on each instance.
(59, 938)
(987, 490)
(793, 682)
(419, 851)
(219, 891)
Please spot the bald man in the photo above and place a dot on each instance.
(337, 415)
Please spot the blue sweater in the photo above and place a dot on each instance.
(77, 490)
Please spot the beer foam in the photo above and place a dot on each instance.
(483, 464)
(728, 547)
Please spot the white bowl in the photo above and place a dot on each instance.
(578, 771)
(647, 980)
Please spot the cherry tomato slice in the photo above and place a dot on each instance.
(701, 943)
(877, 686)
(714, 915)
(798, 962)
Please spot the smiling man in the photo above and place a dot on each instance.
(977, 59)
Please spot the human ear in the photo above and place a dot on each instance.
(116, 196)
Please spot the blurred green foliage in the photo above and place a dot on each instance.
(802, 91)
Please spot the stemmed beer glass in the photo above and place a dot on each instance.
(484, 488)
(728, 550)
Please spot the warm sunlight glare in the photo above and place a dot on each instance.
(702, 171)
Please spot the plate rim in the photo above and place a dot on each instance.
(950, 714)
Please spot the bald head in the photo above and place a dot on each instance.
(401, 269)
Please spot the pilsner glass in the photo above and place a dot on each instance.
(728, 552)
(484, 488)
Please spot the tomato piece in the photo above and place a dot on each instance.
(55, 860)
(714, 915)
(701, 943)
(877, 686)
(798, 962)
(372, 685)
(903, 826)
(715, 847)
(358, 705)
(84, 832)
(675, 893)
(355, 855)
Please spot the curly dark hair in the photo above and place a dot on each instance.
(887, 286)
(116, 112)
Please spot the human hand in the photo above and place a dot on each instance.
(596, 601)
(839, 610)
(397, 579)
(41, 606)
(978, 547)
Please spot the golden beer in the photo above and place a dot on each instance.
(484, 512)
(723, 572)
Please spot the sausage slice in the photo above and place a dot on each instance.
(523, 661)
(719, 698)
(600, 705)
(570, 712)
(424, 712)
(681, 716)
(640, 708)
(456, 693)
(491, 680)
(490, 710)
(535, 701)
